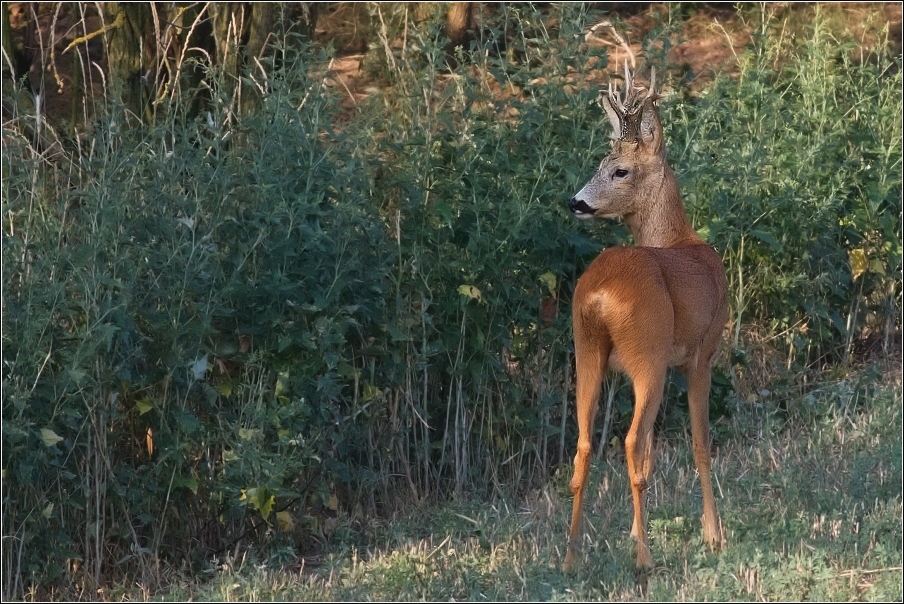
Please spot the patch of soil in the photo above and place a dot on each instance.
(709, 41)
(42, 32)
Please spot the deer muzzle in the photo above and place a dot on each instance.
(580, 208)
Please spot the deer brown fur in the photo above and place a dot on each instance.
(643, 309)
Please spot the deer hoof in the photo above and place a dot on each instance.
(712, 534)
(570, 563)
(642, 557)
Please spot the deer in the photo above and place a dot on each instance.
(644, 308)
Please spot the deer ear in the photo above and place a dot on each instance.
(650, 127)
(614, 116)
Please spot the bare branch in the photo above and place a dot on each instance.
(118, 22)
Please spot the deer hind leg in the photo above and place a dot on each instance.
(648, 388)
(698, 386)
(590, 364)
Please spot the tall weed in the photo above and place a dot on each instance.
(793, 168)
(223, 329)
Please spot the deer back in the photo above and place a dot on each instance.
(673, 300)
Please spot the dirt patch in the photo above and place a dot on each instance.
(709, 41)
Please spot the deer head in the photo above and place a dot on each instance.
(634, 172)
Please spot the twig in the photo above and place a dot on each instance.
(41, 370)
(872, 571)
(120, 19)
(728, 37)
(341, 81)
(174, 82)
(618, 38)
(56, 74)
(384, 39)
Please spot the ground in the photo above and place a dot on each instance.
(709, 40)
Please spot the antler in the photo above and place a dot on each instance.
(623, 107)
(631, 92)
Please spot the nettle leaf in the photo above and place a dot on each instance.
(469, 291)
(397, 334)
(369, 392)
(549, 280)
(766, 238)
(859, 264)
(248, 433)
(49, 437)
(285, 521)
(190, 483)
(77, 375)
(199, 368)
(225, 389)
(144, 405)
(259, 498)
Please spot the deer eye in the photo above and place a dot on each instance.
(621, 173)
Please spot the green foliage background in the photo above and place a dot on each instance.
(216, 327)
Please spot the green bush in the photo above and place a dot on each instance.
(793, 168)
(222, 327)
(197, 305)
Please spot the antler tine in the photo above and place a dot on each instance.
(618, 103)
(630, 90)
(624, 100)
(651, 92)
(622, 42)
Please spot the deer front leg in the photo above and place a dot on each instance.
(590, 369)
(639, 452)
(698, 386)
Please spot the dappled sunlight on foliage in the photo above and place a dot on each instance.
(263, 327)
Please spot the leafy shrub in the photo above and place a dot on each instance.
(222, 326)
(793, 167)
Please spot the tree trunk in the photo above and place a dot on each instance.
(129, 23)
(303, 16)
(458, 21)
(242, 33)
(259, 30)
(7, 41)
(229, 24)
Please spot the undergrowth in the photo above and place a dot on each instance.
(812, 510)
(263, 332)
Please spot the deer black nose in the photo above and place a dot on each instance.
(579, 206)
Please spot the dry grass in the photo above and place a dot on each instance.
(808, 474)
(811, 504)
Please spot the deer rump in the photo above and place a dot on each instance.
(650, 303)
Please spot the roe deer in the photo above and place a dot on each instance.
(642, 309)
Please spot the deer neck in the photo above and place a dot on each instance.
(662, 221)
